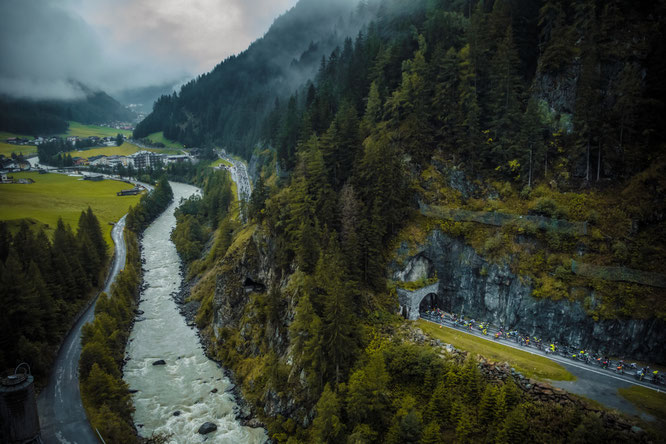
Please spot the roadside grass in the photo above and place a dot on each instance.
(235, 206)
(81, 130)
(648, 400)
(159, 137)
(7, 149)
(220, 162)
(57, 195)
(531, 366)
(123, 150)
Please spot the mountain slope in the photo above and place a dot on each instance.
(50, 117)
(207, 109)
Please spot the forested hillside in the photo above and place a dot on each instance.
(45, 283)
(546, 108)
(228, 105)
(50, 117)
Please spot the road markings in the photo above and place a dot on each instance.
(557, 359)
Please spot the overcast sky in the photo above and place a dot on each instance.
(112, 45)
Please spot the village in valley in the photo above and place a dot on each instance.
(105, 153)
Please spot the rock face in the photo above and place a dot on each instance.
(472, 286)
(207, 427)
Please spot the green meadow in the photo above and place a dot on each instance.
(159, 137)
(81, 130)
(123, 150)
(7, 149)
(57, 195)
(530, 365)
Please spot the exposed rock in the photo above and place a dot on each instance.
(131, 391)
(159, 362)
(206, 428)
(214, 390)
(499, 296)
(176, 413)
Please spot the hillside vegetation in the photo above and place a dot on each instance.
(530, 108)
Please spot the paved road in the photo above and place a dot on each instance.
(61, 414)
(239, 175)
(592, 381)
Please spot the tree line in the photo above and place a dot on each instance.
(45, 283)
(198, 216)
(150, 206)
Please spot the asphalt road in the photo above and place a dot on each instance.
(592, 381)
(61, 414)
(239, 175)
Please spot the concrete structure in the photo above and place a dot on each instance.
(410, 300)
(145, 159)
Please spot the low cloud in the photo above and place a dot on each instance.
(48, 48)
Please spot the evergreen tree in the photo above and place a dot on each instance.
(505, 100)
(327, 426)
(368, 394)
(339, 327)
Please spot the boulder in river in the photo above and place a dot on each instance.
(159, 362)
(176, 413)
(207, 427)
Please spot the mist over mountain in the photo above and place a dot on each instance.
(50, 52)
(289, 54)
(47, 117)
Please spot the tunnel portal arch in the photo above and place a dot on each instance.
(411, 300)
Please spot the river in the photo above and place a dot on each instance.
(187, 381)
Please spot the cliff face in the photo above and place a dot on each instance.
(474, 287)
(249, 329)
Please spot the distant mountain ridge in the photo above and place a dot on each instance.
(206, 109)
(47, 117)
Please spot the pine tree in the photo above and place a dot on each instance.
(514, 428)
(341, 144)
(505, 99)
(5, 241)
(469, 131)
(445, 99)
(258, 198)
(339, 328)
(432, 434)
(439, 406)
(408, 108)
(368, 394)
(487, 406)
(327, 426)
(373, 110)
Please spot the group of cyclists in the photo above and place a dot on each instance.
(501, 333)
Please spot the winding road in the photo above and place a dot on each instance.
(61, 414)
(239, 175)
(592, 382)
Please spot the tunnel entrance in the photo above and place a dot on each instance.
(429, 302)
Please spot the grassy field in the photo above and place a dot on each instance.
(7, 149)
(647, 400)
(56, 195)
(81, 130)
(123, 150)
(530, 365)
(159, 137)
